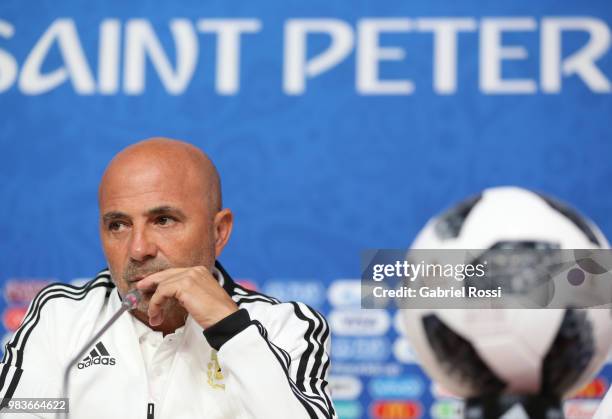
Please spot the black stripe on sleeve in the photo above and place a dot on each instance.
(308, 401)
(14, 349)
(72, 296)
(11, 390)
(35, 307)
(319, 356)
(315, 336)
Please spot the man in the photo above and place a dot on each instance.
(198, 345)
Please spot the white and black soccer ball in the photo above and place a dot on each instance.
(475, 353)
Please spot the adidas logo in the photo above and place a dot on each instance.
(98, 356)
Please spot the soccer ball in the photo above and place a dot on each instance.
(475, 353)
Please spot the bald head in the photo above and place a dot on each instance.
(166, 160)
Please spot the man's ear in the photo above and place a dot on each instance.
(222, 225)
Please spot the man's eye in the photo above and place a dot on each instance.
(115, 225)
(165, 220)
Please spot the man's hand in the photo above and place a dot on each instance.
(195, 288)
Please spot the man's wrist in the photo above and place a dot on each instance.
(227, 328)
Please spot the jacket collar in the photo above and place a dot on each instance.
(225, 280)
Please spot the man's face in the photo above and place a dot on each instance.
(154, 216)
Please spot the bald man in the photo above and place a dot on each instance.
(198, 345)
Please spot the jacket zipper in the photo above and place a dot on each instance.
(150, 411)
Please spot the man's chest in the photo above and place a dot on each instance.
(180, 380)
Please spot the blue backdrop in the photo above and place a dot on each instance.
(336, 126)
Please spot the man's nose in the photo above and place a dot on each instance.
(142, 247)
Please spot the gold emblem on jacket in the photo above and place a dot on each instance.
(215, 376)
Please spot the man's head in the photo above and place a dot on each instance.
(160, 207)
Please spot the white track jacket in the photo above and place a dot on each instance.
(269, 360)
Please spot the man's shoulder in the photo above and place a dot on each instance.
(65, 299)
(57, 314)
(278, 316)
(256, 301)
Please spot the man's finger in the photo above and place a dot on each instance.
(163, 292)
(151, 281)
